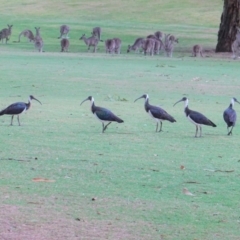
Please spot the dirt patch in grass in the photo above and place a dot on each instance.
(17, 223)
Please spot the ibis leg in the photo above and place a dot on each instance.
(12, 120)
(106, 127)
(160, 130)
(230, 132)
(18, 120)
(196, 131)
(157, 127)
(200, 131)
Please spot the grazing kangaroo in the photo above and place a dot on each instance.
(110, 45)
(64, 45)
(64, 30)
(169, 44)
(38, 42)
(90, 42)
(236, 45)
(28, 34)
(6, 33)
(148, 46)
(96, 32)
(159, 35)
(136, 45)
(118, 44)
(197, 50)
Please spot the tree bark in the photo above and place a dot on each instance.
(229, 21)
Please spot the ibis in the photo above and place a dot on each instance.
(157, 113)
(18, 108)
(230, 116)
(197, 118)
(102, 114)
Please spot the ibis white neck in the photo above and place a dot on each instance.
(147, 97)
(186, 103)
(92, 101)
(29, 100)
(232, 102)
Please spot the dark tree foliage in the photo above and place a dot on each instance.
(229, 21)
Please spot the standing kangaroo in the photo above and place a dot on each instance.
(197, 50)
(169, 42)
(28, 34)
(158, 46)
(118, 44)
(110, 46)
(64, 45)
(148, 46)
(96, 32)
(38, 42)
(64, 30)
(6, 33)
(158, 43)
(236, 45)
(90, 42)
(159, 35)
(136, 45)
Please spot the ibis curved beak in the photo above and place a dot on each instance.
(237, 101)
(181, 100)
(139, 98)
(84, 101)
(36, 100)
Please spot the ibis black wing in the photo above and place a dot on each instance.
(106, 115)
(160, 113)
(230, 116)
(200, 119)
(13, 109)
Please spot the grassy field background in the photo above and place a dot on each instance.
(126, 183)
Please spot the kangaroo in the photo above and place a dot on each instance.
(110, 46)
(96, 32)
(158, 46)
(169, 44)
(38, 42)
(159, 35)
(118, 44)
(64, 45)
(152, 36)
(148, 46)
(158, 43)
(90, 42)
(173, 38)
(236, 45)
(28, 34)
(64, 30)
(136, 45)
(6, 33)
(197, 50)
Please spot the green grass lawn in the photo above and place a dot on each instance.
(126, 183)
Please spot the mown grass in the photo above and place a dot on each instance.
(132, 172)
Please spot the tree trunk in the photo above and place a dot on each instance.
(229, 22)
